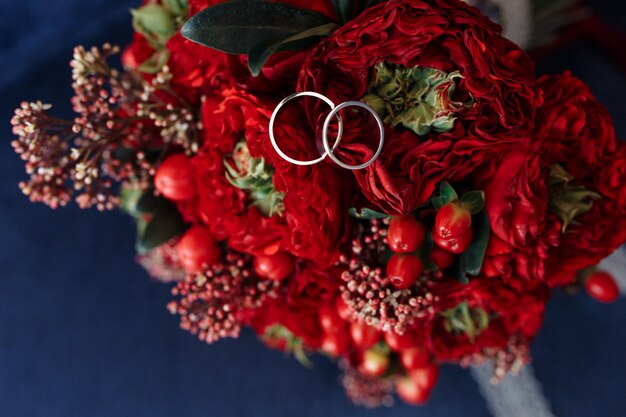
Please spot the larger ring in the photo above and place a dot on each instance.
(329, 151)
(326, 145)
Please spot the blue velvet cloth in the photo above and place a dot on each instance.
(84, 332)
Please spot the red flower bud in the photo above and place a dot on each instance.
(363, 335)
(275, 267)
(442, 258)
(410, 392)
(414, 358)
(452, 221)
(602, 287)
(374, 363)
(405, 234)
(398, 342)
(330, 321)
(404, 270)
(175, 178)
(455, 245)
(335, 344)
(197, 250)
(425, 377)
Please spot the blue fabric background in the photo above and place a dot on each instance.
(84, 332)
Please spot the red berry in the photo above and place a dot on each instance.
(410, 392)
(363, 335)
(452, 221)
(197, 250)
(335, 344)
(275, 267)
(398, 342)
(404, 270)
(456, 245)
(374, 363)
(425, 377)
(414, 358)
(343, 309)
(601, 286)
(405, 234)
(330, 321)
(442, 258)
(175, 178)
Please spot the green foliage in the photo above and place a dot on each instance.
(465, 320)
(256, 28)
(157, 219)
(254, 176)
(420, 99)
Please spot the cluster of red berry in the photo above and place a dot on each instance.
(371, 350)
(376, 354)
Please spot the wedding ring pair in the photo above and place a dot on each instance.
(328, 151)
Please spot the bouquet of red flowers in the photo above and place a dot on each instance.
(417, 206)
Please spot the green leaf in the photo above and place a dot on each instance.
(471, 261)
(260, 53)
(129, 196)
(155, 23)
(155, 62)
(427, 246)
(237, 27)
(343, 9)
(438, 202)
(150, 203)
(366, 213)
(447, 193)
(165, 224)
(176, 7)
(473, 201)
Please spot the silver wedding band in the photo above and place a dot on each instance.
(328, 151)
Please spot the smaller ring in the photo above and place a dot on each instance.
(325, 135)
(273, 119)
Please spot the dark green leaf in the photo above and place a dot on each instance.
(427, 245)
(447, 193)
(437, 202)
(430, 266)
(474, 201)
(366, 213)
(164, 225)
(343, 9)
(261, 52)
(471, 261)
(154, 23)
(150, 203)
(129, 196)
(236, 27)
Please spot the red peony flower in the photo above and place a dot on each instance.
(316, 198)
(482, 87)
(556, 215)
(508, 313)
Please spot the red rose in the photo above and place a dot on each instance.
(196, 70)
(494, 84)
(297, 308)
(572, 147)
(315, 197)
(510, 313)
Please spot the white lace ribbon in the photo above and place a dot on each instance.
(515, 396)
(616, 266)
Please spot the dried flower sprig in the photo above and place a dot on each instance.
(365, 391)
(369, 292)
(124, 125)
(211, 304)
